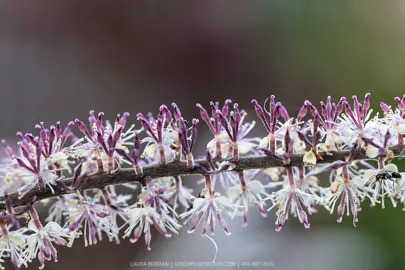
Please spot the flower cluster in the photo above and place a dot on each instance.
(279, 171)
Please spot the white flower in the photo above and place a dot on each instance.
(349, 193)
(142, 219)
(13, 244)
(243, 195)
(293, 199)
(208, 209)
(91, 217)
(40, 243)
(382, 187)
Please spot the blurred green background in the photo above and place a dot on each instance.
(60, 59)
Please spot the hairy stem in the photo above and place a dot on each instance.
(176, 168)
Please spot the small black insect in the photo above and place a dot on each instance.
(386, 175)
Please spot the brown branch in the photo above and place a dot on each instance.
(175, 168)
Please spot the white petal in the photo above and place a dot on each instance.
(371, 151)
(391, 167)
(198, 203)
(222, 201)
(309, 158)
(17, 240)
(53, 227)
(400, 128)
(234, 192)
(256, 186)
(31, 226)
(264, 142)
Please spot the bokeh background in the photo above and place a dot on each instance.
(59, 59)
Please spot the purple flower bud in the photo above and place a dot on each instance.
(101, 141)
(123, 120)
(43, 133)
(203, 113)
(146, 126)
(52, 135)
(366, 104)
(302, 112)
(349, 112)
(325, 112)
(338, 108)
(237, 114)
(225, 108)
(99, 119)
(214, 108)
(159, 129)
(66, 133)
(177, 113)
(284, 113)
(401, 105)
(58, 129)
(9, 151)
(117, 135)
(137, 141)
(110, 142)
(356, 104)
(329, 104)
(384, 107)
(83, 128)
(260, 113)
(166, 112)
(23, 165)
(206, 118)
(312, 108)
(225, 124)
